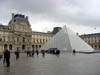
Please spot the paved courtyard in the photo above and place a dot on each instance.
(64, 64)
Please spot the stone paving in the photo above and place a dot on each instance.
(64, 64)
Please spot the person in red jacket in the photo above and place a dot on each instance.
(43, 52)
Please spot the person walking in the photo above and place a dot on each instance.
(27, 53)
(37, 52)
(74, 51)
(7, 57)
(43, 52)
(17, 54)
(32, 53)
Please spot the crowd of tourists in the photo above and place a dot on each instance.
(53, 51)
(6, 54)
(29, 53)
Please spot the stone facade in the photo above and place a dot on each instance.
(92, 39)
(18, 35)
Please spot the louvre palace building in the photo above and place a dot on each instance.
(18, 35)
(92, 39)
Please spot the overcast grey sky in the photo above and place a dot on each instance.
(82, 16)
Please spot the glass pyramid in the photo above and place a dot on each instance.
(67, 40)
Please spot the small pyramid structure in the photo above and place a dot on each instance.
(67, 40)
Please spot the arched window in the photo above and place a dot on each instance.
(36, 46)
(5, 46)
(23, 47)
(23, 39)
(17, 39)
(99, 46)
(39, 46)
(33, 47)
(10, 47)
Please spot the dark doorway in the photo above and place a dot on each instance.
(5, 46)
(36, 47)
(23, 47)
(32, 47)
(10, 47)
(39, 46)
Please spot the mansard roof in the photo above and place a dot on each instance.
(20, 18)
(4, 27)
(90, 35)
(35, 32)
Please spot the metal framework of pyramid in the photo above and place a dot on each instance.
(67, 40)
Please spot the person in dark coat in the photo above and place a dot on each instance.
(37, 52)
(27, 52)
(17, 54)
(74, 51)
(32, 53)
(57, 51)
(7, 57)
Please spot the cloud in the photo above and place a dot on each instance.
(54, 12)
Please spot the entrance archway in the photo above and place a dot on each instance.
(5, 46)
(10, 47)
(32, 47)
(23, 47)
